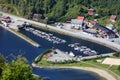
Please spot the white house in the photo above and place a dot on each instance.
(77, 23)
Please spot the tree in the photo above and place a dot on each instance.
(59, 9)
(17, 70)
(2, 62)
(117, 54)
(48, 5)
(119, 68)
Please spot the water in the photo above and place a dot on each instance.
(11, 44)
(100, 49)
(67, 74)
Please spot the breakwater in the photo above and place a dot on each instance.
(22, 36)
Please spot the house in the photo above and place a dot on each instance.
(80, 18)
(77, 23)
(104, 32)
(113, 18)
(110, 26)
(91, 11)
(6, 19)
(90, 23)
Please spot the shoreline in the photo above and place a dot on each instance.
(100, 41)
(22, 37)
(100, 72)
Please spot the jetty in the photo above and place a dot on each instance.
(27, 39)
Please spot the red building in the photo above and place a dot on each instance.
(80, 17)
(6, 19)
(91, 11)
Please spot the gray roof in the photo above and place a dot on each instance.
(76, 21)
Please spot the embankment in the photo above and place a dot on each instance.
(27, 39)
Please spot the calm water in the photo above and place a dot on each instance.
(11, 44)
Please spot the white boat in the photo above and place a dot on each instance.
(77, 48)
(27, 29)
(47, 36)
(88, 49)
(83, 47)
(71, 54)
(93, 51)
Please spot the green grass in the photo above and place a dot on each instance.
(36, 77)
(87, 63)
(115, 69)
(40, 57)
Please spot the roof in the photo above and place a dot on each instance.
(104, 29)
(91, 9)
(113, 17)
(93, 22)
(90, 12)
(110, 26)
(80, 17)
(76, 21)
(5, 17)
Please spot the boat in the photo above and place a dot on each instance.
(47, 36)
(83, 47)
(71, 45)
(27, 29)
(77, 48)
(71, 54)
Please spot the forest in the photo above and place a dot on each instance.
(63, 10)
(17, 68)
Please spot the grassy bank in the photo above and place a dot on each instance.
(39, 58)
(113, 70)
(36, 77)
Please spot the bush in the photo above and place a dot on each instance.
(117, 54)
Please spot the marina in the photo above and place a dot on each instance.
(60, 40)
(48, 36)
(20, 47)
(85, 50)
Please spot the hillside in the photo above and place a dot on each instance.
(62, 10)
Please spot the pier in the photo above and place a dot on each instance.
(22, 36)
